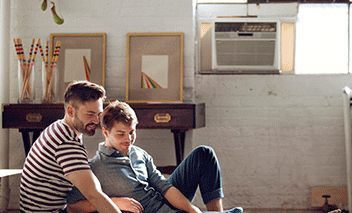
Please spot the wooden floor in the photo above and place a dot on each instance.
(250, 211)
(281, 211)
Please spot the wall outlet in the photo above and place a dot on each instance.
(338, 195)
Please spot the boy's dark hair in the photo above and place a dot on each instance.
(83, 91)
(118, 111)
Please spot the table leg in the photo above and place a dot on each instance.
(179, 139)
(26, 140)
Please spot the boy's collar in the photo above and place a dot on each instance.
(109, 151)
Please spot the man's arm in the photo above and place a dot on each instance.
(179, 201)
(82, 206)
(90, 187)
(124, 203)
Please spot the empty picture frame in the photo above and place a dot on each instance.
(154, 67)
(77, 51)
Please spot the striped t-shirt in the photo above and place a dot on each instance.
(44, 184)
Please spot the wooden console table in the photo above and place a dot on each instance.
(178, 117)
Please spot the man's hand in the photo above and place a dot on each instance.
(128, 204)
(89, 186)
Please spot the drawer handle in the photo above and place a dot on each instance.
(34, 117)
(162, 117)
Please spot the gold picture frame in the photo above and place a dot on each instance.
(73, 45)
(154, 67)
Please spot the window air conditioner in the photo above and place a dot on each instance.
(246, 46)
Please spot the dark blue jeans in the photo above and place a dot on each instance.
(200, 168)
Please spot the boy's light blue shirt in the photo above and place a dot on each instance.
(135, 177)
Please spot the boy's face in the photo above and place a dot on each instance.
(121, 137)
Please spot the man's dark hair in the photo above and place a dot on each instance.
(83, 91)
(118, 112)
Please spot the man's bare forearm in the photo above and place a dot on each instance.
(82, 206)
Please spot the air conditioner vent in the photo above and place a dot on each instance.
(245, 26)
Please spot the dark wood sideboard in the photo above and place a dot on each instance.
(178, 117)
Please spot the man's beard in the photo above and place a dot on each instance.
(79, 126)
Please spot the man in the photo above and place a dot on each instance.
(58, 159)
(128, 175)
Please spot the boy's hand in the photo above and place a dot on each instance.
(128, 204)
(335, 211)
(195, 209)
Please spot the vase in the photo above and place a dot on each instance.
(26, 91)
(50, 84)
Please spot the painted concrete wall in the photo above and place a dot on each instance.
(275, 136)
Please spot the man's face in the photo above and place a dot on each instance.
(86, 117)
(121, 137)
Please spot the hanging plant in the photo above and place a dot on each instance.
(56, 18)
(44, 5)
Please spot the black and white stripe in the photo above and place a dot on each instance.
(44, 184)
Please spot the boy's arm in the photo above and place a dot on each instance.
(90, 187)
(179, 201)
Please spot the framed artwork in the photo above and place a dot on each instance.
(154, 68)
(82, 57)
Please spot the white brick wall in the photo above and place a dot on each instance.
(275, 136)
(116, 18)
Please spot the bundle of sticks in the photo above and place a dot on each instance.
(26, 68)
(49, 82)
